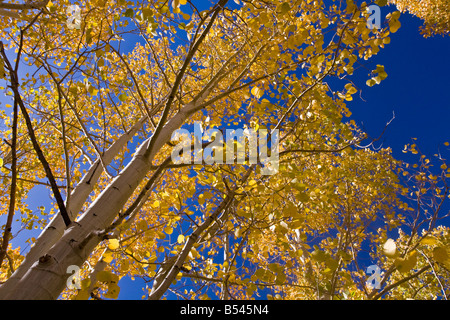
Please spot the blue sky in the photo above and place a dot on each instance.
(417, 90)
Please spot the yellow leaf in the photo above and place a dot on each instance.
(107, 257)
(395, 15)
(161, 235)
(124, 266)
(440, 254)
(405, 264)
(290, 210)
(113, 291)
(394, 25)
(85, 283)
(429, 240)
(201, 199)
(82, 295)
(168, 230)
(257, 92)
(104, 276)
(180, 239)
(155, 204)
(51, 6)
(113, 244)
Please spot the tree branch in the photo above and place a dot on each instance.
(396, 284)
(31, 133)
(12, 194)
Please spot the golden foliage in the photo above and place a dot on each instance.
(434, 13)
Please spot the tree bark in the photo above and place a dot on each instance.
(55, 229)
(47, 277)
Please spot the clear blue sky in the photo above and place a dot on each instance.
(417, 89)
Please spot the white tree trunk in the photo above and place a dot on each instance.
(55, 229)
(47, 277)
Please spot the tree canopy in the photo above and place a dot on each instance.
(95, 90)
